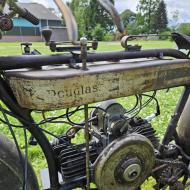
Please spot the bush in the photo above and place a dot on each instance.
(184, 28)
(98, 32)
(109, 37)
(166, 35)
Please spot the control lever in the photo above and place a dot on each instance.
(26, 48)
(47, 33)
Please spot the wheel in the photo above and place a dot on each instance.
(11, 171)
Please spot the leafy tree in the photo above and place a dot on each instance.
(88, 14)
(184, 28)
(128, 17)
(79, 10)
(175, 17)
(160, 18)
(98, 33)
(145, 17)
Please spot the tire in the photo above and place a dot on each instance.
(11, 170)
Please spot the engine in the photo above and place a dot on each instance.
(123, 153)
(111, 125)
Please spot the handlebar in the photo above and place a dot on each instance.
(109, 7)
(24, 13)
(29, 61)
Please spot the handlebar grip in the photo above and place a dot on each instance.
(29, 16)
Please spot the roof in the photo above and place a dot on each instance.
(39, 10)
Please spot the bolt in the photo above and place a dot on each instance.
(132, 172)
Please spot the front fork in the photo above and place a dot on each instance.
(181, 113)
(184, 128)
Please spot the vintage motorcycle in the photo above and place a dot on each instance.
(120, 149)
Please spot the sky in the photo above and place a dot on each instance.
(182, 7)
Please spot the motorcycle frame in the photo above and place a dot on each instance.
(24, 116)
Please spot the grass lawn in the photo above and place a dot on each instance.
(167, 100)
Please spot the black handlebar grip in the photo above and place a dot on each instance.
(30, 17)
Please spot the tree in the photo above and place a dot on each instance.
(128, 17)
(184, 28)
(79, 10)
(160, 18)
(89, 14)
(145, 17)
(98, 33)
(175, 18)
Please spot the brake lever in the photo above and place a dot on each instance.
(22, 12)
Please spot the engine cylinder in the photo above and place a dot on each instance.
(184, 128)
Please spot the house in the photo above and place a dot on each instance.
(26, 31)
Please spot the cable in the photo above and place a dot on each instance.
(135, 106)
(15, 126)
(50, 119)
(81, 124)
(157, 103)
(138, 107)
(151, 97)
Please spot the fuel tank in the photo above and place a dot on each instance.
(61, 87)
(184, 128)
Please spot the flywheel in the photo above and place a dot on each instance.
(125, 163)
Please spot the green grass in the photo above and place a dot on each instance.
(167, 101)
(10, 48)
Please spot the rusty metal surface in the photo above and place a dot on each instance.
(109, 7)
(66, 87)
(69, 20)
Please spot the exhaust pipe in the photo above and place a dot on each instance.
(109, 7)
(69, 20)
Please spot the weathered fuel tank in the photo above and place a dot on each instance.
(63, 87)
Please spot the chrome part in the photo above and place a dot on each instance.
(83, 43)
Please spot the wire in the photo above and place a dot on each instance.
(83, 123)
(15, 126)
(139, 106)
(151, 97)
(157, 103)
(135, 106)
(50, 119)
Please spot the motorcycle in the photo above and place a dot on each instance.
(121, 149)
